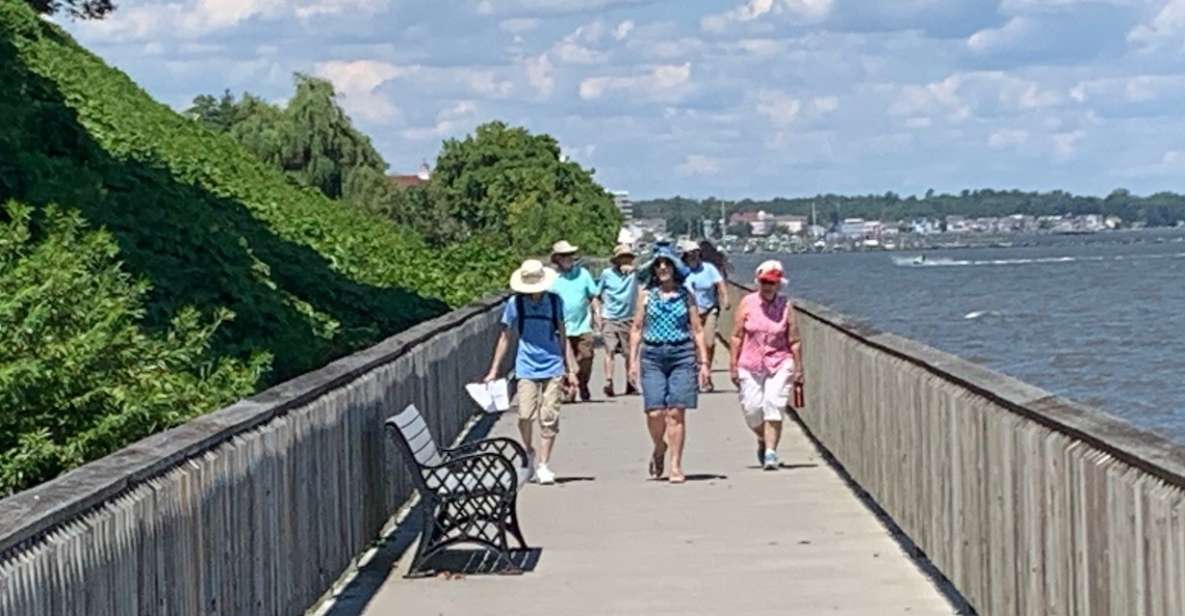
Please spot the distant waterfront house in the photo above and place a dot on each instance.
(420, 178)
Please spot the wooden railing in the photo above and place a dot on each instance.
(1028, 503)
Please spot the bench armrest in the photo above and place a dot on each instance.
(474, 474)
(506, 447)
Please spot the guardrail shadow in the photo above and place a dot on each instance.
(369, 577)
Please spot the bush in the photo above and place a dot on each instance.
(79, 379)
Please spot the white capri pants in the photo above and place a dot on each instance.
(763, 397)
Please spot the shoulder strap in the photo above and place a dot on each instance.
(519, 309)
(555, 311)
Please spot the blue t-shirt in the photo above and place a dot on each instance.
(702, 281)
(618, 293)
(539, 353)
(577, 288)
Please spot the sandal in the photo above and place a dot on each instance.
(656, 463)
(677, 479)
(608, 389)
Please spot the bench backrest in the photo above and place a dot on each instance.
(412, 435)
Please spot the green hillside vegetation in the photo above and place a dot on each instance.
(154, 269)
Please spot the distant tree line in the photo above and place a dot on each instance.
(1160, 209)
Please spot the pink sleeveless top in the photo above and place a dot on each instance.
(765, 348)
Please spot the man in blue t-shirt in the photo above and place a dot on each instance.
(582, 312)
(542, 360)
(618, 290)
(711, 294)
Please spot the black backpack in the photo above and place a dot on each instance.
(520, 310)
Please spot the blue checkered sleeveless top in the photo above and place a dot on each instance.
(667, 319)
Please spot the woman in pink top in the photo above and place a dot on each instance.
(766, 359)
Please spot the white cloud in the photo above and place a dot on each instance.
(1065, 145)
(450, 121)
(919, 122)
(826, 104)
(698, 164)
(1016, 31)
(623, 29)
(1134, 89)
(1008, 137)
(358, 82)
(189, 19)
(540, 74)
(963, 95)
(519, 25)
(779, 108)
(663, 82)
(1169, 23)
(804, 10)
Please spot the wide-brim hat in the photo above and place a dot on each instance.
(646, 272)
(562, 247)
(686, 246)
(623, 250)
(532, 277)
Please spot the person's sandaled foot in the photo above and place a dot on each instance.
(656, 463)
(680, 478)
(608, 389)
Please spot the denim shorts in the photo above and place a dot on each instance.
(669, 376)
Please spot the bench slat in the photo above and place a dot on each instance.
(419, 439)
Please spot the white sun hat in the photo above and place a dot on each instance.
(686, 246)
(562, 247)
(771, 271)
(532, 277)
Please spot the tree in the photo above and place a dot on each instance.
(507, 183)
(311, 139)
(78, 9)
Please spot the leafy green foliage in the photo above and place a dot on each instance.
(79, 379)
(311, 139)
(504, 182)
(78, 9)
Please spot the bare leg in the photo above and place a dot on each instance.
(545, 445)
(609, 372)
(657, 426)
(524, 428)
(676, 431)
(773, 435)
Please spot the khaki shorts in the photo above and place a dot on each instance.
(616, 335)
(709, 321)
(541, 398)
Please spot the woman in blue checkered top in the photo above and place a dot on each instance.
(669, 357)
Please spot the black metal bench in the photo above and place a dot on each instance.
(468, 493)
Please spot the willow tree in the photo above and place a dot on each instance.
(311, 138)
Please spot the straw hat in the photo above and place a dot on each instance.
(686, 246)
(532, 277)
(623, 250)
(562, 247)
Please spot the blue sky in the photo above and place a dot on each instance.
(728, 98)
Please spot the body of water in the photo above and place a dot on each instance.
(1100, 319)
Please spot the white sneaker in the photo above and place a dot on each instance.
(544, 475)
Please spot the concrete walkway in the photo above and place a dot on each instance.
(732, 540)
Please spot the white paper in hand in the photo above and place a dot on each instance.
(492, 397)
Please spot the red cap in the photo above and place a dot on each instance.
(770, 271)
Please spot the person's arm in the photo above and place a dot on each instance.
(722, 293)
(636, 337)
(697, 334)
(570, 366)
(499, 354)
(738, 339)
(795, 340)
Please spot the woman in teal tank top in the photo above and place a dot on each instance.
(667, 347)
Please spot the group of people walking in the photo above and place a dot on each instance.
(661, 317)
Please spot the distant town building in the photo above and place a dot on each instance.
(852, 228)
(793, 225)
(621, 199)
(420, 178)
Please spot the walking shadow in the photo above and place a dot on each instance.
(786, 466)
(563, 480)
(705, 477)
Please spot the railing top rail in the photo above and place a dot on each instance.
(28, 514)
(1140, 448)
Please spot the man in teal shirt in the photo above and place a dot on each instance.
(578, 292)
(618, 288)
